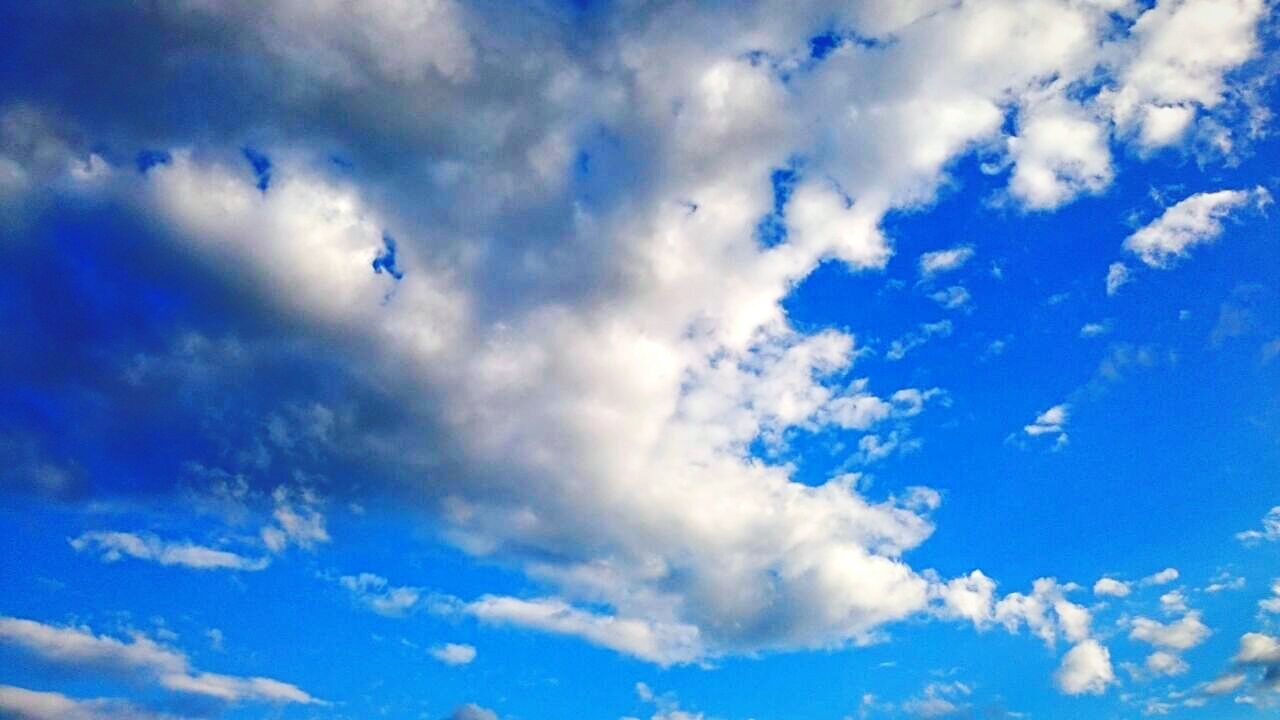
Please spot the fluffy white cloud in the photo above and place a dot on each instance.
(115, 545)
(1224, 684)
(1117, 277)
(380, 596)
(1182, 634)
(23, 704)
(1060, 151)
(1193, 221)
(576, 386)
(1085, 669)
(1164, 577)
(1051, 423)
(940, 261)
(298, 522)
(140, 657)
(1271, 604)
(1111, 586)
(1177, 56)
(454, 653)
(1270, 531)
(1258, 649)
(471, 711)
(1162, 662)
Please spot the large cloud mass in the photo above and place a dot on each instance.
(528, 261)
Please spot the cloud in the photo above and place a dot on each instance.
(899, 348)
(115, 545)
(1224, 684)
(567, 373)
(952, 298)
(1162, 662)
(1110, 586)
(471, 711)
(937, 700)
(1117, 276)
(23, 704)
(1271, 604)
(380, 596)
(1164, 577)
(1194, 221)
(1182, 634)
(1091, 330)
(297, 522)
(1085, 669)
(661, 643)
(940, 261)
(141, 657)
(1270, 531)
(1051, 423)
(454, 653)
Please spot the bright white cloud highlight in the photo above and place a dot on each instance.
(1194, 221)
(1085, 669)
(115, 545)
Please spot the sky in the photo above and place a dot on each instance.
(637, 360)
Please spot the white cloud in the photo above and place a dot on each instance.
(1164, 577)
(940, 261)
(1270, 531)
(1194, 221)
(471, 711)
(899, 348)
(23, 704)
(664, 644)
(1182, 634)
(1085, 669)
(581, 402)
(1173, 601)
(380, 596)
(1111, 586)
(454, 653)
(298, 522)
(938, 699)
(1051, 423)
(1271, 604)
(1258, 649)
(1117, 277)
(1059, 152)
(952, 298)
(140, 657)
(1178, 55)
(1162, 662)
(1224, 684)
(115, 545)
(1095, 329)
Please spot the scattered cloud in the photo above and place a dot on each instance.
(1194, 221)
(1110, 586)
(140, 657)
(941, 261)
(1117, 277)
(1182, 634)
(115, 545)
(454, 653)
(1270, 531)
(1085, 669)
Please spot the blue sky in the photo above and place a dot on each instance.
(477, 361)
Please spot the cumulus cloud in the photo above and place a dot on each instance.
(1051, 423)
(899, 348)
(1110, 586)
(1085, 669)
(23, 704)
(1270, 531)
(471, 711)
(1164, 577)
(115, 545)
(454, 653)
(380, 596)
(140, 657)
(1117, 277)
(940, 261)
(575, 384)
(1182, 634)
(1196, 220)
(1162, 662)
